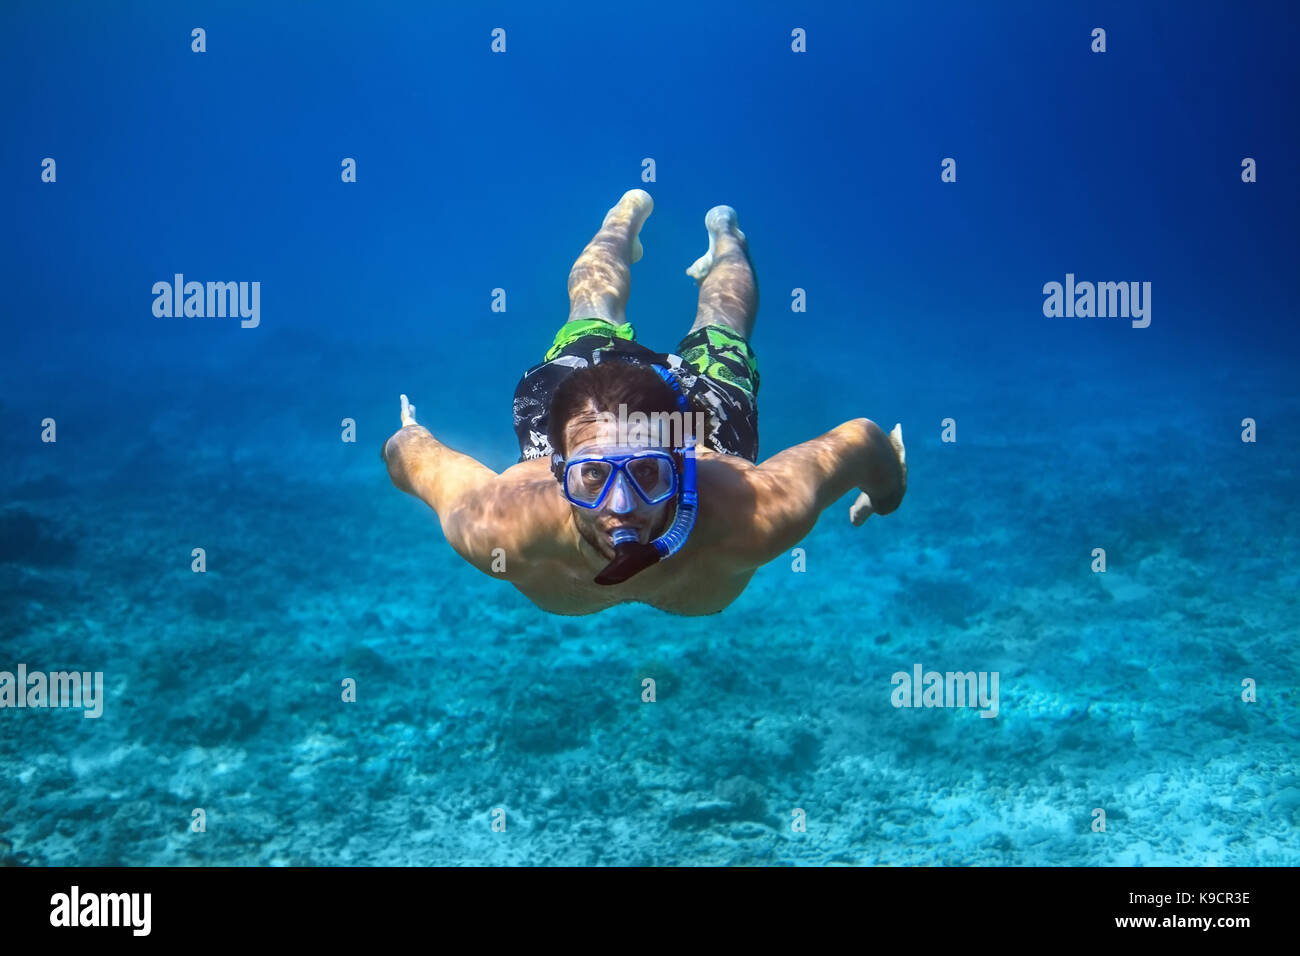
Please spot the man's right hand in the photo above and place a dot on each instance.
(408, 413)
(862, 508)
(391, 447)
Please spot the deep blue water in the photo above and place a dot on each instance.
(477, 171)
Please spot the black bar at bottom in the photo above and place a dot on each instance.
(334, 905)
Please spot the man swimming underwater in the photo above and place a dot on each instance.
(592, 515)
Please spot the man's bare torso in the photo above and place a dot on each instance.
(703, 578)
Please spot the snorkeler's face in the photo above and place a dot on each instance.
(623, 505)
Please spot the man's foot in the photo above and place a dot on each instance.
(720, 221)
(632, 210)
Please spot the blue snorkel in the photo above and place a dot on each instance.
(630, 555)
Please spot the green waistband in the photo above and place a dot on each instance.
(571, 331)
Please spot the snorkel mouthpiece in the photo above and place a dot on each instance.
(623, 536)
(630, 557)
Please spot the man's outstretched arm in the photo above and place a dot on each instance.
(793, 488)
(422, 466)
(482, 514)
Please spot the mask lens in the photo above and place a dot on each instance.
(586, 480)
(653, 476)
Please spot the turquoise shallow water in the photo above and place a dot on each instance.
(1119, 690)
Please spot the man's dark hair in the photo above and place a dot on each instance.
(606, 386)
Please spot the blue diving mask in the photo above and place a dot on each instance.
(650, 473)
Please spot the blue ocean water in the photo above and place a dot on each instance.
(1032, 439)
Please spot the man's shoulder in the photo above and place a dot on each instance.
(729, 495)
(530, 470)
(720, 475)
(520, 511)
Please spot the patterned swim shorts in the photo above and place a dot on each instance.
(714, 366)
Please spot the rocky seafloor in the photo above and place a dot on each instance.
(1119, 691)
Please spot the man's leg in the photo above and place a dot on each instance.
(599, 284)
(716, 349)
(601, 277)
(728, 287)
